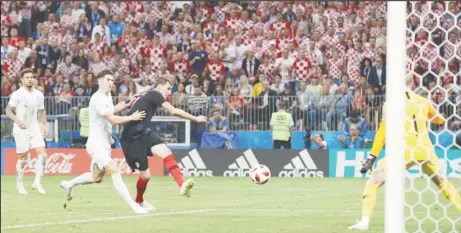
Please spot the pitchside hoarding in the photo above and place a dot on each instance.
(73, 162)
(230, 163)
(346, 163)
(237, 163)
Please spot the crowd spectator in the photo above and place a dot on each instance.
(324, 59)
(352, 140)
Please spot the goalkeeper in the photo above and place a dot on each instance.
(418, 150)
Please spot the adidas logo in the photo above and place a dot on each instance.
(193, 165)
(301, 166)
(242, 165)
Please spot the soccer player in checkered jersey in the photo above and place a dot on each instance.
(26, 108)
(102, 116)
(418, 150)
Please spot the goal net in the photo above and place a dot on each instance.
(433, 57)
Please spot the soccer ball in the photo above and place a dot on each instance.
(260, 174)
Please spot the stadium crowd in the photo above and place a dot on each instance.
(325, 60)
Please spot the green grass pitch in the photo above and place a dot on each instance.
(218, 205)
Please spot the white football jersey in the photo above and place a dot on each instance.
(27, 105)
(100, 130)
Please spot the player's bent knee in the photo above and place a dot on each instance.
(377, 177)
(40, 150)
(161, 150)
(145, 175)
(97, 179)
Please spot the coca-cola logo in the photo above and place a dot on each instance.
(57, 163)
(123, 166)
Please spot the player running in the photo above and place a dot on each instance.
(418, 150)
(28, 104)
(101, 111)
(139, 141)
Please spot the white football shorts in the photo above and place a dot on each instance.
(28, 138)
(100, 155)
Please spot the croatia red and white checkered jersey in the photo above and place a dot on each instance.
(260, 52)
(328, 41)
(5, 20)
(369, 53)
(302, 68)
(180, 68)
(165, 39)
(117, 8)
(160, 74)
(220, 13)
(142, 43)
(341, 49)
(313, 57)
(131, 19)
(155, 13)
(216, 70)
(351, 25)
(15, 41)
(55, 36)
(429, 52)
(375, 31)
(233, 23)
(156, 51)
(205, 10)
(96, 47)
(151, 76)
(156, 63)
(449, 50)
(26, 12)
(353, 65)
(267, 70)
(277, 27)
(52, 26)
(336, 67)
(282, 43)
(95, 68)
(107, 58)
(381, 10)
(12, 67)
(245, 25)
(132, 51)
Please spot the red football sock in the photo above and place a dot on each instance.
(173, 169)
(141, 186)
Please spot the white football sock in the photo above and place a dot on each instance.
(40, 168)
(85, 178)
(20, 164)
(122, 189)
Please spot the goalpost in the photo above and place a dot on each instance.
(419, 206)
(395, 73)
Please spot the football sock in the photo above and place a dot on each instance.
(141, 186)
(20, 164)
(40, 168)
(173, 169)
(369, 200)
(85, 178)
(450, 192)
(122, 190)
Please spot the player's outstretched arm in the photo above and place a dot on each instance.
(116, 120)
(180, 113)
(125, 104)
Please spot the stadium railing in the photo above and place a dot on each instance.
(242, 113)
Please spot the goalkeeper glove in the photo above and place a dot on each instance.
(368, 164)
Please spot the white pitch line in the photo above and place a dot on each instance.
(105, 219)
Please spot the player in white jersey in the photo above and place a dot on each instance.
(101, 110)
(27, 109)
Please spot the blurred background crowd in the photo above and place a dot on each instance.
(325, 59)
